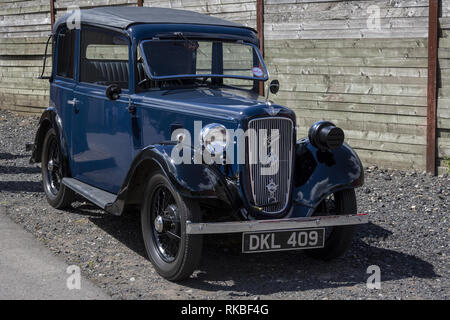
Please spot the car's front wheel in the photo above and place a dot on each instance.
(174, 254)
(337, 239)
(58, 195)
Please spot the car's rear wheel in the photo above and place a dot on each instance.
(337, 239)
(57, 194)
(174, 254)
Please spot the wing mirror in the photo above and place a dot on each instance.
(113, 92)
(274, 87)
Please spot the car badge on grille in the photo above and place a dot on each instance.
(272, 187)
(272, 111)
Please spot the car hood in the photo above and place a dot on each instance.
(231, 104)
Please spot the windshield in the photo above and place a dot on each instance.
(168, 59)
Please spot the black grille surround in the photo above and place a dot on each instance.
(260, 188)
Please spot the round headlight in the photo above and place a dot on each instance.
(214, 138)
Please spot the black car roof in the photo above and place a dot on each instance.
(123, 17)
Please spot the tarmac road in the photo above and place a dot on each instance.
(29, 271)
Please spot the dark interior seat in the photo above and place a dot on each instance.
(105, 72)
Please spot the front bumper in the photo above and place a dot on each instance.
(274, 225)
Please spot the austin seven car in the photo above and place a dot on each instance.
(161, 111)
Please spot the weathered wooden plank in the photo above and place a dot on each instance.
(276, 69)
(330, 79)
(397, 129)
(358, 88)
(443, 148)
(32, 91)
(23, 49)
(354, 107)
(355, 117)
(377, 135)
(403, 148)
(62, 4)
(353, 33)
(360, 62)
(21, 62)
(348, 43)
(353, 98)
(24, 40)
(26, 19)
(391, 160)
(336, 24)
(352, 52)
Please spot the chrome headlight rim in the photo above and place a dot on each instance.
(219, 147)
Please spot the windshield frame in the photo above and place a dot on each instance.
(193, 76)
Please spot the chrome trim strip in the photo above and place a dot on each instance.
(274, 225)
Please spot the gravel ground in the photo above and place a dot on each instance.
(407, 238)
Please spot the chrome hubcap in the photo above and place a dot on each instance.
(53, 168)
(166, 224)
(159, 224)
(50, 165)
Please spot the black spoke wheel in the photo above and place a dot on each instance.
(58, 195)
(174, 254)
(165, 222)
(53, 167)
(337, 239)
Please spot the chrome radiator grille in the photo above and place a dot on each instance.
(270, 179)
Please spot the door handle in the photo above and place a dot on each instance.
(73, 103)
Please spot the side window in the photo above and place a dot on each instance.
(104, 57)
(66, 52)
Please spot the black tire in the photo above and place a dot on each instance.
(58, 195)
(161, 246)
(338, 239)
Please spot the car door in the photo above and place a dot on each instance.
(63, 85)
(102, 146)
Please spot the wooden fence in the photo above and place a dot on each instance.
(361, 64)
(443, 105)
(368, 76)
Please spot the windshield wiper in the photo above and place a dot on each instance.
(192, 44)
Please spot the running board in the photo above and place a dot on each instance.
(97, 196)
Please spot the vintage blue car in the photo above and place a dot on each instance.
(158, 110)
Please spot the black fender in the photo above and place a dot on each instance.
(196, 181)
(318, 174)
(50, 119)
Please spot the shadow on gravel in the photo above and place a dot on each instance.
(264, 274)
(19, 170)
(9, 156)
(21, 186)
(126, 229)
(224, 268)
